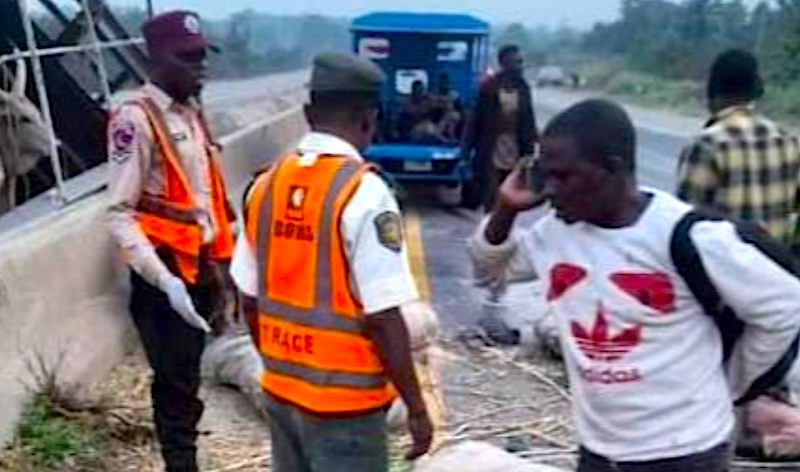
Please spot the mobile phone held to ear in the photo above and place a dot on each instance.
(534, 175)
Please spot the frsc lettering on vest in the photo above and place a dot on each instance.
(289, 230)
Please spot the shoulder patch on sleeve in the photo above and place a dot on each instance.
(389, 227)
(122, 139)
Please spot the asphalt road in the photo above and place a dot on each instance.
(443, 230)
(225, 94)
(235, 104)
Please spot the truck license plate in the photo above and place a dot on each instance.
(418, 166)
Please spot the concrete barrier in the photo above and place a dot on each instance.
(64, 293)
(63, 304)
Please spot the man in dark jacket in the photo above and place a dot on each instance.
(503, 126)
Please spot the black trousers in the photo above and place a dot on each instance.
(173, 349)
(714, 460)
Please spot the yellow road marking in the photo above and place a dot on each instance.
(416, 254)
(425, 366)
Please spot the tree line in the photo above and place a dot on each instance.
(671, 39)
(678, 40)
(254, 43)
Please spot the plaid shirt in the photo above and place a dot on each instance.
(747, 167)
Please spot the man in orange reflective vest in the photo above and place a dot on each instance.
(323, 269)
(170, 217)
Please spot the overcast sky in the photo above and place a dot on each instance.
(579, 13)
(576, 13)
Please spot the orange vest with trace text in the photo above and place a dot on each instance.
(310, 331)
(171, 221)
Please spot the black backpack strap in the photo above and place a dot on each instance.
(690, 267)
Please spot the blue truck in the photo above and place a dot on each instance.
(434, 64)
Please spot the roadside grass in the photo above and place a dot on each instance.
(780, 102)
(61, 431)
(48, 440)
(684, 96)
(783, 103)
(643, 89)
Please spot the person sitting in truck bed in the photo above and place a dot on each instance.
(449, 101)
(430, 119)
(414, 112)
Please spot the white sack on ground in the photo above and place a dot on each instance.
(473, 456)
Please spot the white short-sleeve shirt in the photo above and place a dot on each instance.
(380, 276)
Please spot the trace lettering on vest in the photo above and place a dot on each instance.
(286, 340)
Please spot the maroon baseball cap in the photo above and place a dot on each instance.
(174, 32)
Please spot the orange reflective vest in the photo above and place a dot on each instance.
(310, 330)
(171, 221)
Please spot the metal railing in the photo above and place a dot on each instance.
(35, 54)
(62, 50)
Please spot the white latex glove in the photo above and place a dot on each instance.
(181, 302)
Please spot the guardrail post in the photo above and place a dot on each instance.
(44, 101)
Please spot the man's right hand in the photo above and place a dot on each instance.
(389, 331)
(421, 429)
(515, 195)
(181, 302)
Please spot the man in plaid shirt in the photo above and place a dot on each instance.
(747, 167)
(742, 164)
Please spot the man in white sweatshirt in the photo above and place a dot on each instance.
(645, 362)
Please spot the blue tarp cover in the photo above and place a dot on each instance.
(421, 22)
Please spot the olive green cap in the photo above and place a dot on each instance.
(342, 72)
